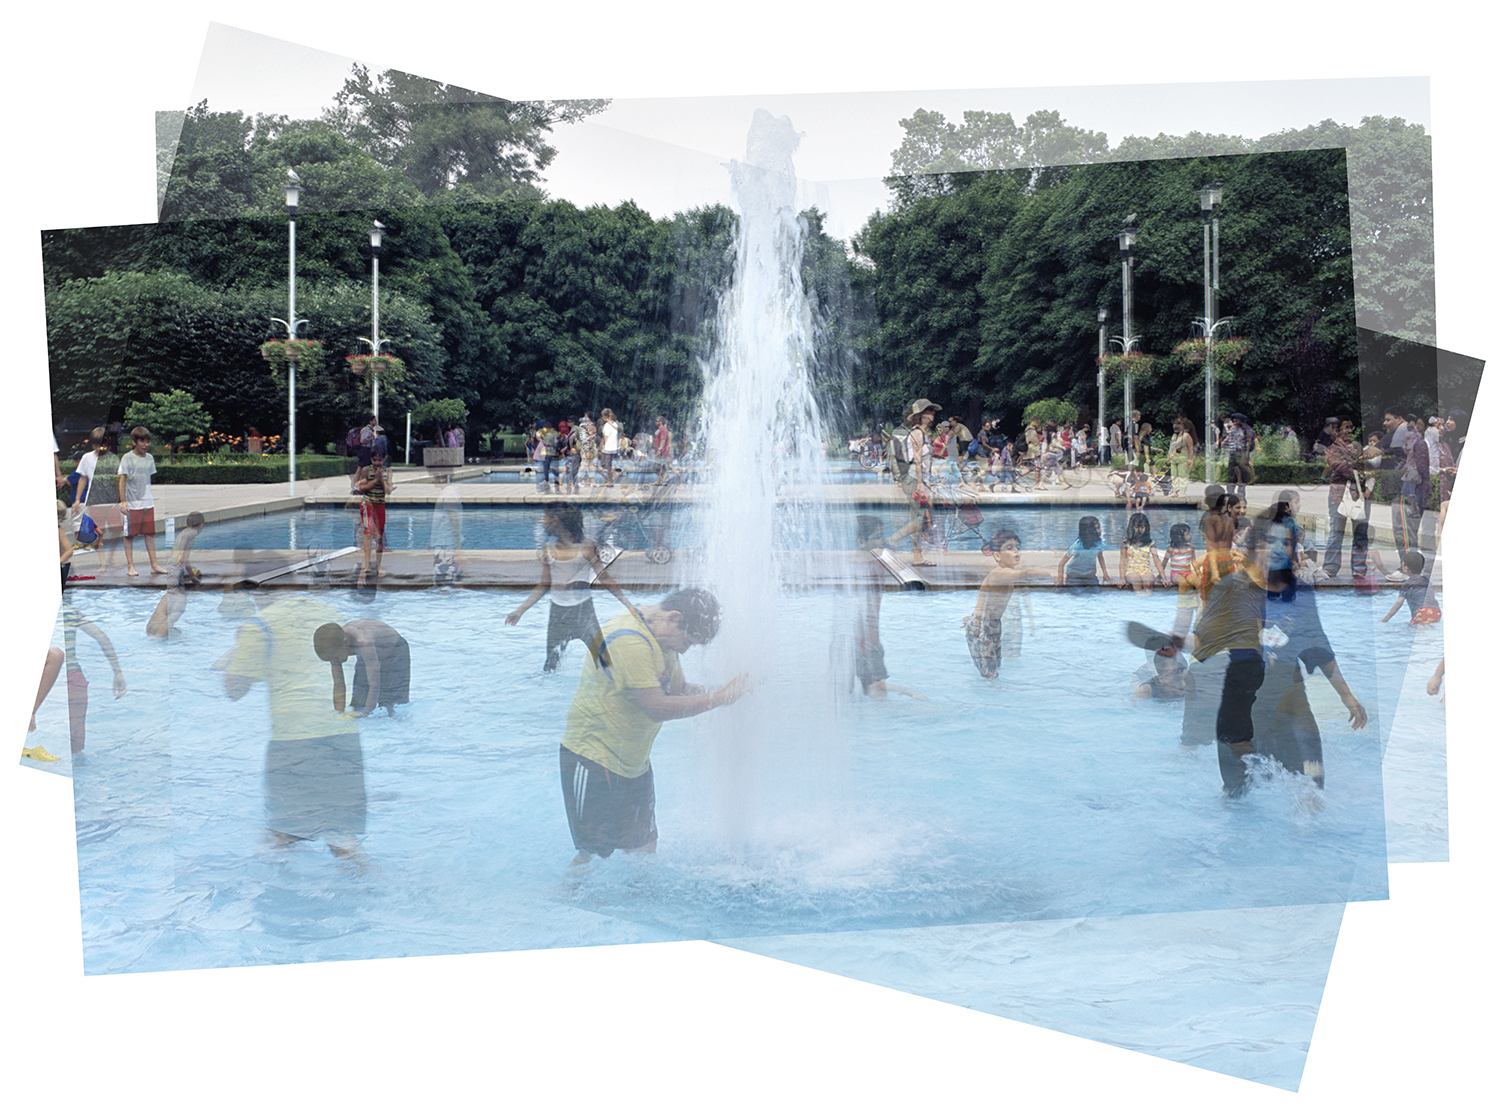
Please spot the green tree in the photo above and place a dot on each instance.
(175, 416)
(450, 140)
(1051, 410)
(440, 414)
(935, 155)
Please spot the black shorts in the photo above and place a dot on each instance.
(869, 665)
(606, 812)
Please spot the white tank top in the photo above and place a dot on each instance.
(571, 578)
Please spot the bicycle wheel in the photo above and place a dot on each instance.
(1074, 478)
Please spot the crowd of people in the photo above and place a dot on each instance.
(1246, 628)
(581, 453)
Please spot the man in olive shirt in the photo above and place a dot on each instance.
(632, 683)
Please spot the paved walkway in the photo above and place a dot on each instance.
(633, 569)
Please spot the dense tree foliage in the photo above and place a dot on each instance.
(978, 288)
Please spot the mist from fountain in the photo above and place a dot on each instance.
(776, 757)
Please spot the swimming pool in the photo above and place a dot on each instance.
(518, 527)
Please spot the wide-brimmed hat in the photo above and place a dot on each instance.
(918, 407)
(1239, 417)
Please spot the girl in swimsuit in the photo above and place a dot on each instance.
(1140, 565)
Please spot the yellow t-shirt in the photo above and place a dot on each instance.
(276, 646)
(605, 724)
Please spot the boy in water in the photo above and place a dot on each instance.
(382, 667)
(982, 627)
(1416, 592)
(170, 608)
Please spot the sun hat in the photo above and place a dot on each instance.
(920, 406)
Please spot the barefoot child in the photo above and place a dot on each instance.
(1140, 565)
(374, 484)
(134, 486)
(982, 627)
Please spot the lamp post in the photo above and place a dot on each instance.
(1102, 316)
(1208, 199)
(377, 232)
(291, 323)
(1127, 266)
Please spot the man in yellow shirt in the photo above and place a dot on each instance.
(631, 684)
(314, 776)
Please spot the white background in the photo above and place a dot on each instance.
(1408, 1010)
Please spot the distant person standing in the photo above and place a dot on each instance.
(609, 446)
(254, 444)
(374, 484)
(1239, 444)
(661, 446)
(134, 481)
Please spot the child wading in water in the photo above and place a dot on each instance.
(982, 627)
(1140, 565)
(570, 564)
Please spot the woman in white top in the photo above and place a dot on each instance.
(570, 565)
(609, 432)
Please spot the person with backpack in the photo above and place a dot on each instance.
(907, 450)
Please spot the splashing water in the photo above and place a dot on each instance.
(763, 432)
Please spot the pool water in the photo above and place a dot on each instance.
(1048, 794)
(518, 527)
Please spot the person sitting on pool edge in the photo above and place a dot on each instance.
(382, 667)
(632, 682)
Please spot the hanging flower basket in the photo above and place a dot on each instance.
(1227, 352)
(1140, 366)
(387, 367)
(307, 353)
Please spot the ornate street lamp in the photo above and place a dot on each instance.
(1102, 317)
(291, 323)
(1208, 199)
(377, 232)
(1127, 267)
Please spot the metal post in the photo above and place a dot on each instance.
(1103, 317)
(292, 192)
(1208, 199)
(1127, 266)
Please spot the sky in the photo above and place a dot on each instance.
(669, 154)
(1409, 1001)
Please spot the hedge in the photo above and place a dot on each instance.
(230, 469)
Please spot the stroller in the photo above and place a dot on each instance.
(640, 524)
(954, 517)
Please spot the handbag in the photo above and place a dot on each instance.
(1353, 505)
